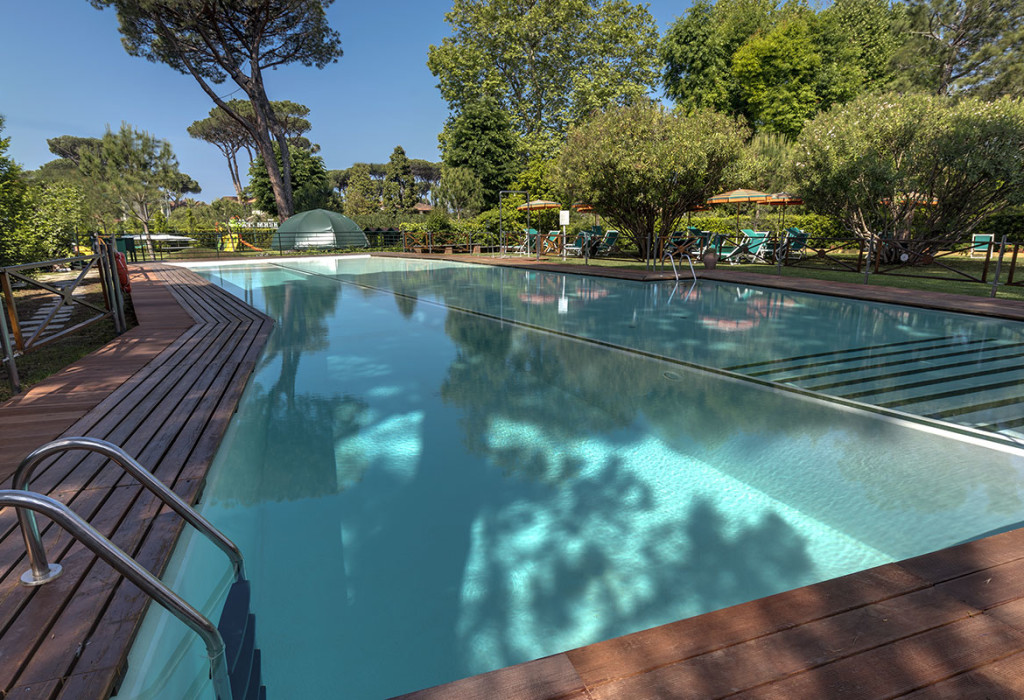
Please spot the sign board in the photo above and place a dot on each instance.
(563, 217)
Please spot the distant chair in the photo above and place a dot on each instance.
(680, 242)
(794, 243)
(551, 244)
(611, 237)
(980, 243)
(756, 247)
(578, 245)
(526, 245)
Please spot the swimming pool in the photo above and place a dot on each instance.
(427, 484)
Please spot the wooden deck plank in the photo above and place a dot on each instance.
(797, 649)
(903, 666)
(159, 413)
(668, 644)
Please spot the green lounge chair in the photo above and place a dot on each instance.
(794, 243)
(551, 244)
(526, 245)
(980, 243)
(576, 247)
(756, 247)
(611, 237)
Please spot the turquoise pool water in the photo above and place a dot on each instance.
(427, 485)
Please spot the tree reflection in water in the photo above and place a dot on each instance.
(483, 494)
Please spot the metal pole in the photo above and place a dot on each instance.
(867, 266)
(23, 477)
(999, 266)
(120, 322)
(130, 569)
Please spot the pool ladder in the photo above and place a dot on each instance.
(671, 259)
(231, 645)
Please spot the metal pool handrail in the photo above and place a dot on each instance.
(41, 571)
(130, 569)
(675, 272)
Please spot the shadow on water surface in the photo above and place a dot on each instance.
(523, 522)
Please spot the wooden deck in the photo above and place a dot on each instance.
(944, 625)
(164, 391)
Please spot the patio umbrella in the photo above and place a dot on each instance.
(738, 197)
(783, 199)
(538, 204)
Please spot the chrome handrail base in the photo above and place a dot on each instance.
(29, 578)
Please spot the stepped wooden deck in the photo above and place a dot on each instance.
(165, 392)
(944, 625)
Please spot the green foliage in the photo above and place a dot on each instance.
(963, 46)
(12, 204)
(642, 167)
(775, 76)
(913, 166)
(310, 184)
(460, 191)
(438, 222)
(55, 218)
(480, 138)
(777, 66)
(696, 73)
(399, 184)
(213, 42)
(69, 148)
(548, 64)
(859, 37)
(1009, 223)
(535, 178)
(763, 164)
(361, 194)
(132, 172)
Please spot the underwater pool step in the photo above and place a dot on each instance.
(863, 352)
(238, 628)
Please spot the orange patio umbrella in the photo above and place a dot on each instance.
(738, 197)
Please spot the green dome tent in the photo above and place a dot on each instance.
(319, 228)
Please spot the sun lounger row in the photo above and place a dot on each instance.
(751, 246)
(590, 242)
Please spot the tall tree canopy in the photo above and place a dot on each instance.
(213, 40)
(400, 192)
(481, 139)
(221, 130)
(135, 171)
(361, 194)
(547, 62)
(777, 65)
(964, 45)
(643, 167)
(310, 182)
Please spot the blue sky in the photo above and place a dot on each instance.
(65, 72)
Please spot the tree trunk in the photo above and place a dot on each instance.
(268, 126)
(236, 178)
